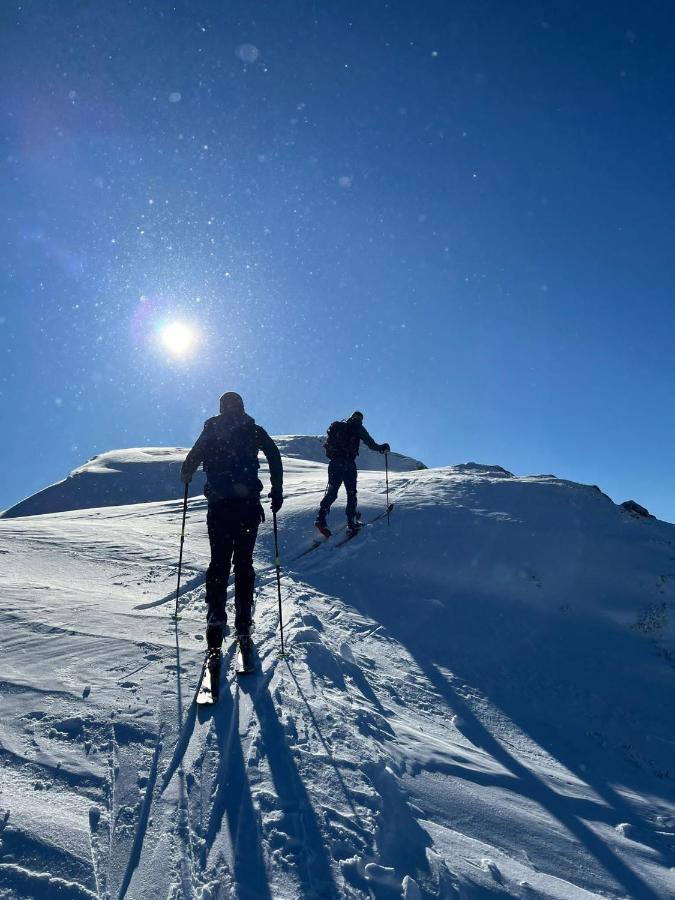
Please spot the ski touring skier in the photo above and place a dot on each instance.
(228, 449)
(343, 439)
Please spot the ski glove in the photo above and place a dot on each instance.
(385, 448)
(277, 499)
(185, 478)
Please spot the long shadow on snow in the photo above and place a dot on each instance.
(187, 727)
(300, 819)
(142, 827)
(432, 651)
(537, 652)
(531, 786)
(233, 801)
(401, 841)
(197, 581)
(563, 649)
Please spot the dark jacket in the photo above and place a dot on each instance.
(347, 447)
(228, 448)
(368, 441)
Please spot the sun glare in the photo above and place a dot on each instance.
(178, 338)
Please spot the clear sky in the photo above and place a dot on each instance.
(458, 217)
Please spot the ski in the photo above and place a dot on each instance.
(317, 542)
(245, 660)
(209, 683)
(352, 534)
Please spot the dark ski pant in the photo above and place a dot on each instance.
(340, 471)
(233, 528)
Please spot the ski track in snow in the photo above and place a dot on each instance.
(461, 714)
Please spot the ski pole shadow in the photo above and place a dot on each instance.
(195, 713)
(233, 802)
(618, 808)
(611, 806)
(189, 585)
(144, 818)
(300, 819)
(198, 580)
(531, 786)
(535, 654)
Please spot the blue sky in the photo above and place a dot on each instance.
(457, 217)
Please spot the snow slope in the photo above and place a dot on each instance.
(140, 475)
(478, 701)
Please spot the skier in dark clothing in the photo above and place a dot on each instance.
(228, 447)
(342, 448)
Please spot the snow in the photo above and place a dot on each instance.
(478, 699)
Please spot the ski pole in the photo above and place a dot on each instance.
(182, 541)
(277, 565)
(386, 475)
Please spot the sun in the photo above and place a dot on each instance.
(178, 338)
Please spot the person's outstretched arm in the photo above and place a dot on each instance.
(369, 442)
(271, 451)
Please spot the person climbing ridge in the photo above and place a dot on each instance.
(343, 439)
(228, 448)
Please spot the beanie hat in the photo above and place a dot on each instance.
(231, 402)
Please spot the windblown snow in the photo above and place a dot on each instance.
(477, 701)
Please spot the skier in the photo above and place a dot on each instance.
(228, 447)
(342, 448)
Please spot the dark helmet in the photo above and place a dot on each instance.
(231, 402)
(357, 415)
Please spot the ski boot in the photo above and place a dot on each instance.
(354, 525)
(245, 661)
(320, 523)
(213, 664)
(209, 686)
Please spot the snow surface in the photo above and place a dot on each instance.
(141, 475)
(478, 700)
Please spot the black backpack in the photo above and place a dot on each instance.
(342, 440)
(231, 453)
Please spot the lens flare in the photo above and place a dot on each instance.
(178, 338)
